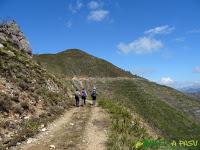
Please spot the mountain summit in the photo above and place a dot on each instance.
(75, 62)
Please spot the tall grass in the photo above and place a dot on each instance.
(124, 131)
(172, 123)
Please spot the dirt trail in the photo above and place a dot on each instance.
(81, 128)
(44, 139)
(96, 131)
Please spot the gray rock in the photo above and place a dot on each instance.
(27, 117)
(12, 125)
(10, 31)
(44, 129)
(52, 147)
(30, 140)
(2, 36)
(9, 53)
(1, 45)
(18, 143)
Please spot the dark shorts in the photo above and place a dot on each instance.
(94, 98)
(83, 97)
(77, 98)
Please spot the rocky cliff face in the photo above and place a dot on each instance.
(10, 31)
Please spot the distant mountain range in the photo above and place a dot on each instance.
(192, 91)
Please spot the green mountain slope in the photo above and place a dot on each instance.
(29, 96)
(75, 62)
(197, 94)
(172, 114)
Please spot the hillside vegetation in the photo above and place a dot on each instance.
(29, 96)
(197, 94)
(124, 131)
(170, 113)
(75, 62)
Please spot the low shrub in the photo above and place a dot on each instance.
(17, 109)
(25, 105)
(23, 85)
(5, 103)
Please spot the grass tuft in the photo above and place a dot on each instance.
(124, 131)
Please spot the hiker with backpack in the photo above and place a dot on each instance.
(84, 96)
(94, 96)
(77, 97)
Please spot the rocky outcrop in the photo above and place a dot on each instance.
(29, 96)
(11, 32)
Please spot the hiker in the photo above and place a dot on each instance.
(77, 95)
(84, 96)
(94, 96)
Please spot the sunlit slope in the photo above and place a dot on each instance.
(75, 62)
(171, 113)
(29, 96)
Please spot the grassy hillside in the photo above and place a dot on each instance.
(125, 131)
(197, 94)
(172, 114)
(75, 62)
(29, 96)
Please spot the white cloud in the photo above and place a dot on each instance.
(142, 45)
(79, 5)
(167, 55)
(194, 31)
(186, 85)
(166, 29)
(179, 39)
(196, 69)
(98, 15)
(93, 5)
(68, 24)
(167, 81)
(74, 8)
(179, 85)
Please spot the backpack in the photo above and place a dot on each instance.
(93, 94)
(84, 93)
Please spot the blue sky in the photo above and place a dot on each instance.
(156, 39)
